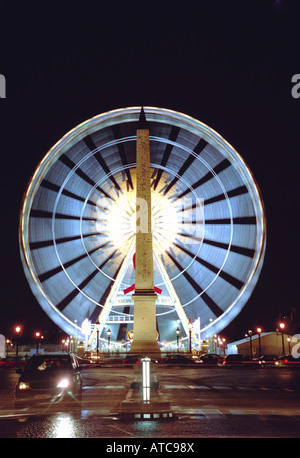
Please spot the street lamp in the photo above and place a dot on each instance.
(190, 326)
(177, 336)
(222, 343)
(108, 339)
(259, 344)
(97, 332)
(72, 344)
(8, 344)
(38, 337)
(289, 344)
(65, 343)
(18, 329)
(250, 336)
(215, 343)
(282, 326)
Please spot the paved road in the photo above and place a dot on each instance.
(209, 402)
(233, 391)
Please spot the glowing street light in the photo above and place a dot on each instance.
(190, 326)
(222, 344)
(8, 344)
(259, 330)
(97, 334)
(18, 330)
(289, 344)
(108, 339)
(250, 337)
(282, 327)
(39, 337)
(177, 336)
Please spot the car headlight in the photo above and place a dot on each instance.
(23, 386)
(63, 383)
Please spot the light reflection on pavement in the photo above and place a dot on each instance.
(208, 402)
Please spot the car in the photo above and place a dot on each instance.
(51, 377)
(268, 360)
(238, 360)
(131, 359)
(85, 362)
(135, 359)
(179, 359)
(288, 361)
(12, 361)
(208, 359)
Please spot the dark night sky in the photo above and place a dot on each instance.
(227, 63)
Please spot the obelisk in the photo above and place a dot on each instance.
(144, 297)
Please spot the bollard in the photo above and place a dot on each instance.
(137, 405)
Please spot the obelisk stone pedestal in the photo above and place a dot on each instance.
(144, 328)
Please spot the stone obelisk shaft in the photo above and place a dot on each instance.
(144, 327)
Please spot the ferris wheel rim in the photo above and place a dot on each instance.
(84, 129)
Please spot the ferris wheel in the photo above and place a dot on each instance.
(77, 224)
